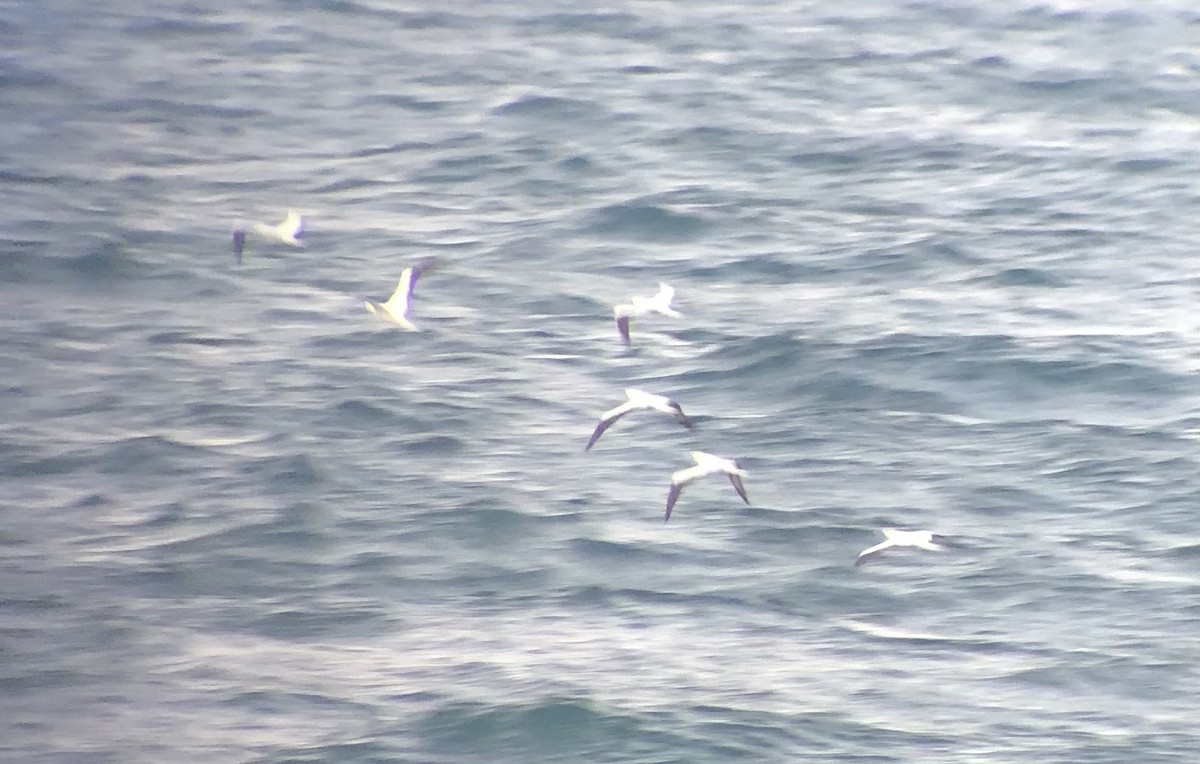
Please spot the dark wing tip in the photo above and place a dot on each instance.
(680, 417)
(239, 243)
(672, 497)
(737, 486)
(596, 433)
(423, 266)
(866, 556)
(623, 328)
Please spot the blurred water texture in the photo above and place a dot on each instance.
(937, 265)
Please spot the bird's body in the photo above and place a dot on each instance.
(637, 399)
(706, 464)
(660, 303)
(894, 537)
(396, 307)
(290, 231)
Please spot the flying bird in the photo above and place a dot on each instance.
(642, 306)
(638, 399)
(290, 231)
(706, 464)
(894, 537)
(396, 307)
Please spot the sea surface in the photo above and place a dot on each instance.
(938, 270)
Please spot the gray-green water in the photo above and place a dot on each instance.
(937, 265)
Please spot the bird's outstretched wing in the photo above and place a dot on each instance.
(672, 497)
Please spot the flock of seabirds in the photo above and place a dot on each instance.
(395, 309)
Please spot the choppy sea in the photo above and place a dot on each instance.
(938, 270)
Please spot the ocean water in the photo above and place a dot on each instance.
(937, 265)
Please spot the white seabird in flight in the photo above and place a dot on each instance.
(706, 464)
(396, 307)
(640, 306)
(638, 399)
(894, 537)
(290, 231)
